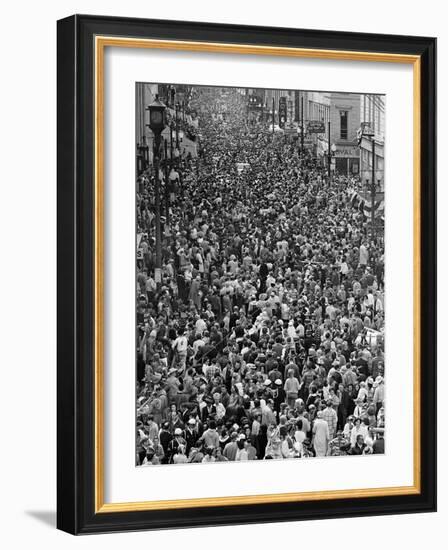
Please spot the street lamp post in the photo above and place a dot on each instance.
(302, 137)
(167, 184)
(273, 115)
(329, 154)
(157, 123)
(181, 148)
(373, 189)
(177, 126)
(366, 130)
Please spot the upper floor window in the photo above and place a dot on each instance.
(344, 124)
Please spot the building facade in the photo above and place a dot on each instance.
(373, 113)
(345, 120)
(272, 98)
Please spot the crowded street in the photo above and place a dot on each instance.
(259, 295)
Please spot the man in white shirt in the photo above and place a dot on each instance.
(180, 347)
(241, 453)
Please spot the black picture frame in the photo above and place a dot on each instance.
(76, 255)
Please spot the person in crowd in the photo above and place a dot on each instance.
(360, 447)
(321, 435)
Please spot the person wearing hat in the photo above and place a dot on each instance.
(191, 434)
(207, 408)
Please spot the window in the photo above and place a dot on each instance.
(344, 124)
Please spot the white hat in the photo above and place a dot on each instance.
(192, 421)
(267, 382)
(278, 382)
(177, 431)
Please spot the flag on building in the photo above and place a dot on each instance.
(367, 207)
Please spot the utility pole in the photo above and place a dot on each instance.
(167, 186)
(157, 123)
(177, 126)
(302, 137)
(373, 189)
(158, 266)
(273, 114)
(329, 154)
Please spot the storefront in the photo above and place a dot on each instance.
(366, 163)
(346, 160)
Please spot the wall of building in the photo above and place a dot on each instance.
(349, 103)
(344, 136)
(373, 111)
(145, 94)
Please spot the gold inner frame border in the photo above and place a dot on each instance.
(100, 43)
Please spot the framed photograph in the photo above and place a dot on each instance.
(246, 274)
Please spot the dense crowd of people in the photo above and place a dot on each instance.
(264, 338)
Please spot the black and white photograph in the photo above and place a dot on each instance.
(260, 274)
